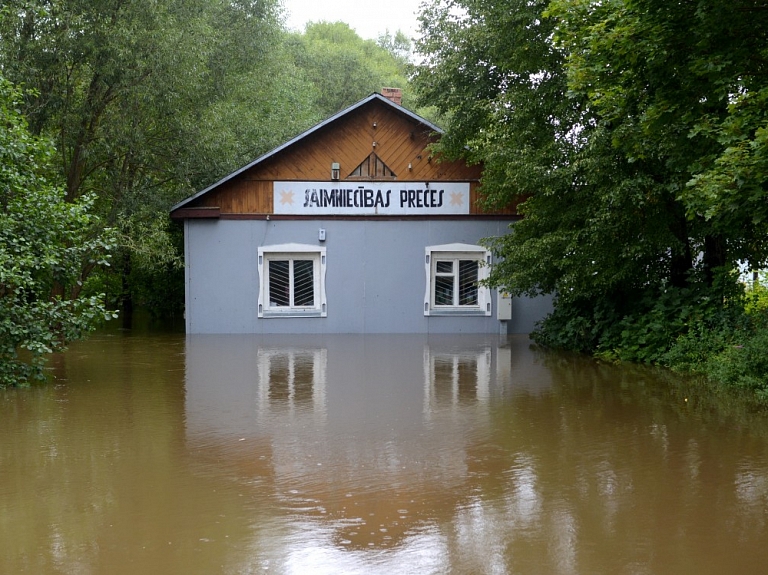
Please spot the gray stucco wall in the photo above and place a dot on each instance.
(375, 280)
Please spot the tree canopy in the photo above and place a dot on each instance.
(342, 68)
(635, 130)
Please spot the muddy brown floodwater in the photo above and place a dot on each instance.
(378, 454)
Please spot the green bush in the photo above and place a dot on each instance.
(756, 299)
(743, 365)
(692, 350)
(642, 326)
(719, 333)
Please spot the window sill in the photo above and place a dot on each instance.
(457, 312)
(292, 313)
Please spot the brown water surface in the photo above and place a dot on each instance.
(377, 454)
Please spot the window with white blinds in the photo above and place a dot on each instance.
(454, 274)
(292, 278)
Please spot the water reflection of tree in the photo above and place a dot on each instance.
(616, 455)
(95, 479)
(578, 376)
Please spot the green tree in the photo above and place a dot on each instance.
(683, 86)
(343, 68)
(619, 123)
(148, 105)
(397, 44)
(45, 244)
(677, 89)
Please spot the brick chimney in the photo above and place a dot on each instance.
(393, 94)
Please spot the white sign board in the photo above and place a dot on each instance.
(371, 198)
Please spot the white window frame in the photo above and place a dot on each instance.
(457, 252)
(290, 252)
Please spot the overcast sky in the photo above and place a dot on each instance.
(368, 19)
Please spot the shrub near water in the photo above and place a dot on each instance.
(734, 354)
(743, 365)
(720, 333)
(743, 359)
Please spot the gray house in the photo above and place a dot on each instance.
(351, 227)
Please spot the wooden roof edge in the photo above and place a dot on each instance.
(312, 130)
(182, 213)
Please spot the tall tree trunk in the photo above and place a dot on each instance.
(714, 257)
(682, 261)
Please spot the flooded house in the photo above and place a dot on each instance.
(350, 227)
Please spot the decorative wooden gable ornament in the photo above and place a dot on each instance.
(372, 167)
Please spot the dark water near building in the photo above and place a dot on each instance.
(373, 454)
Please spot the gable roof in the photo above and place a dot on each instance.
(373, 97)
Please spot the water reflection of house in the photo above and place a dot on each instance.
(351, 227)
(360, 434)
(292, 380)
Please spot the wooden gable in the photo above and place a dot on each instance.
(374, 141)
